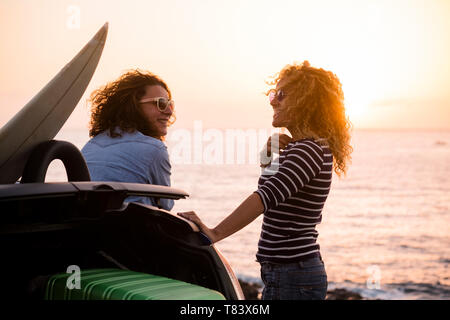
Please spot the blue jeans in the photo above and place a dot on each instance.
(305, 280)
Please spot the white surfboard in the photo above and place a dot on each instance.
(42, 118)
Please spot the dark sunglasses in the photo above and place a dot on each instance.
(276, 94)
(161, 103)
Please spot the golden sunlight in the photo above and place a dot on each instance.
(380, 50)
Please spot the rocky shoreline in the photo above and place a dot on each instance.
(252, 291)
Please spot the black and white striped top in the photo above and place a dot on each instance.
(293, 196)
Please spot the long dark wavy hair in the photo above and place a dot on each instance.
(116, 105)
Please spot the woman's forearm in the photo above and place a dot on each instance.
(247, 211)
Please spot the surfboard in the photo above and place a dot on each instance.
(44, 115)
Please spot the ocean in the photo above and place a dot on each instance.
(385, 231)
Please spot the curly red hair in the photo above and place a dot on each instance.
(315, 101)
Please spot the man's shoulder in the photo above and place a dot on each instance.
(137, 139)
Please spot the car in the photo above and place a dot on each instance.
(79, 240)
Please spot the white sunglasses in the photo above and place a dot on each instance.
(161, 103)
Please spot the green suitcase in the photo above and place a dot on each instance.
(117, 284)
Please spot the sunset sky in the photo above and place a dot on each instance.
(393, 57)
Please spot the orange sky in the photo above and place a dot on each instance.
(391, 56)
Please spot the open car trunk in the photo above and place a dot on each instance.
(47, 227)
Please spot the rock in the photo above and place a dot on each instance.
(251, 290)
(343, 294)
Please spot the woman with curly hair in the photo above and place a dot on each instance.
(309, 103)
(129, 120)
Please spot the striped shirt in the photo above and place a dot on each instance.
(293, 197)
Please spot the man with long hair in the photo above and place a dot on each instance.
(129, 120)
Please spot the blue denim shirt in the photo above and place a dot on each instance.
(133, 157)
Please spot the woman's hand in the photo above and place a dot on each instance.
(192, 216)
(280, 141)
(245, 213)
(283, 141)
